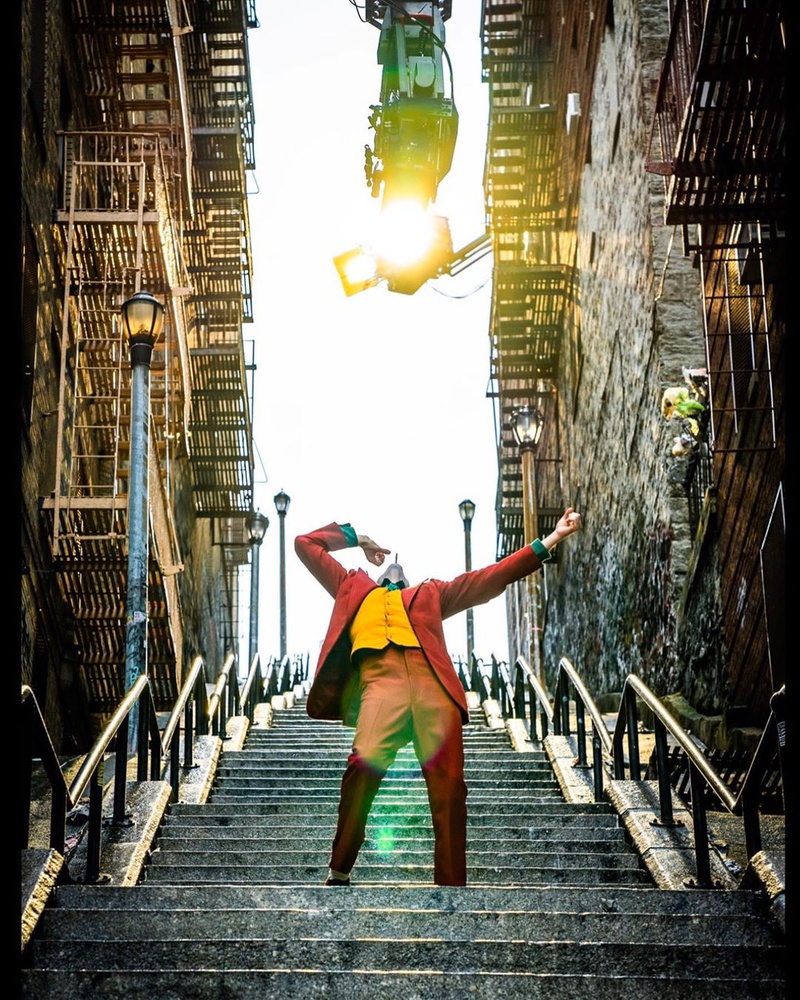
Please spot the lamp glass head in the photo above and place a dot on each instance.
(257, 524)
(412, 247)
(142, 318)
(282, 501)
(467, 510)
(527, 424)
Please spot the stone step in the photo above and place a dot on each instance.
(314, 765)
(496, 770)
(333, 770)
(257, 739)
(497, 924)
(406, 833)
(396, 784)
(310, 751)
(478, 813)
(396, 800)
(618, 900)
(188, 853)
(367, 984)
(261, 951)
(394, 873)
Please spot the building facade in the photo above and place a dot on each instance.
(635, 196)
(137, 133)
(636, 191)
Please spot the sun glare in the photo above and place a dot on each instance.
(405, 233)
(360, 267)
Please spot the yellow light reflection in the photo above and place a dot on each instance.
(357, 270)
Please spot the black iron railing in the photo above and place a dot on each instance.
(195, 713)
(572, 704)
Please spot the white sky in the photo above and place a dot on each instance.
(370, 409)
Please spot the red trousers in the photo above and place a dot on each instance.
(402, 700)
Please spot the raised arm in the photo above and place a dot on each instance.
(314, 551)
(569, 522)
(481, 585)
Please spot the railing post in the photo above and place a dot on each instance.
(632, 722)
(597, 759)
(120, 772)
(701, 845)
(188, 730)
(142, 723)
(580, 725)
(662, 764)
(94, 835)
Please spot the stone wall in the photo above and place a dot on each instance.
(614, 597)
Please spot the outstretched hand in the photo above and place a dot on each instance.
(569, 521)
(374, 553)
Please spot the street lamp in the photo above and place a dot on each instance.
(527, 423)
(467, 511)
(282, 501)
(257, 524)
(142, 321)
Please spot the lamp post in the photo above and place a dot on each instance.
(282, 501)
(527, 423)
(257, 524)
(142, 321)
(467, 511)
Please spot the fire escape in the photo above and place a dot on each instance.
(719, 141)
(533, 164)
(152, 196)
(720, 126)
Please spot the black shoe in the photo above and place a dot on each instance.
(330, 880)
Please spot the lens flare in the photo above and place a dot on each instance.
(384, 840)
(406, 233)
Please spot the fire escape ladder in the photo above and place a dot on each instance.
(720, 122)
(530, 284)
(219, 264)
(722, 144)
(738, 319)
(113, 228)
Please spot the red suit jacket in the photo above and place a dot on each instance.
(333, 693)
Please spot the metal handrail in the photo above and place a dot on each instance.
(525, 682)
(196, 721)
(570, 689)
(572, 698)
(35, 728)
(461, 670)
(90, 773)
(300, 669)
(502, 686)
(225, 698)
(253, 688)
(200, 713)
(478, 680)
(702, 773)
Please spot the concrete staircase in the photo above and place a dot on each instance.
(558, 906)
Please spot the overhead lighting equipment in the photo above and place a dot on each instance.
(405, 254)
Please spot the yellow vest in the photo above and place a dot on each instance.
(382, 619)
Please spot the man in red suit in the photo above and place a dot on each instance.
(384, 668)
